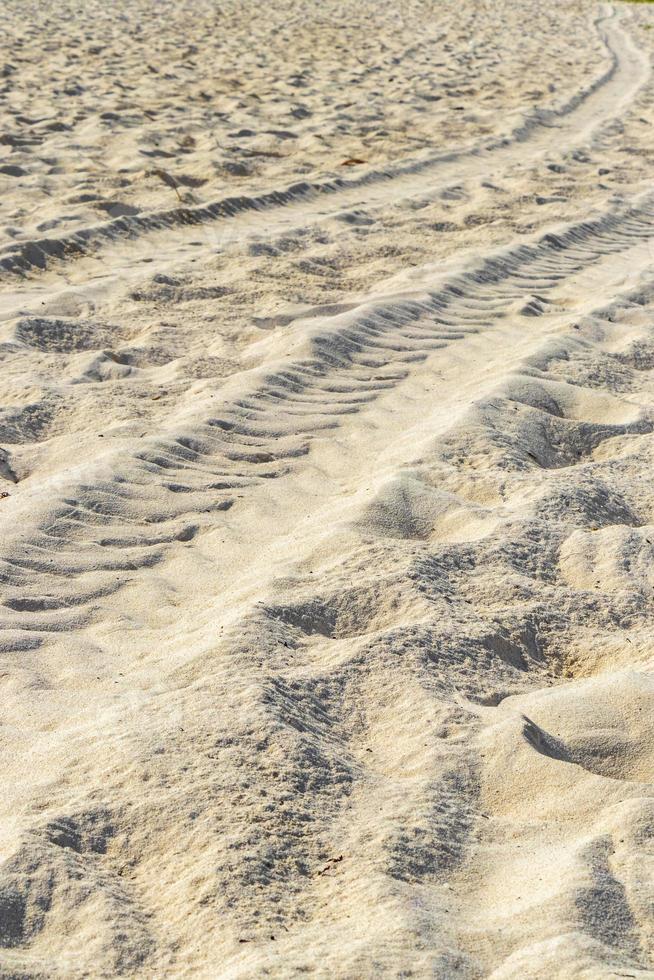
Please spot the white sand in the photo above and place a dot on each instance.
(326, 456)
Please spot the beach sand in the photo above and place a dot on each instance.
(326, 448)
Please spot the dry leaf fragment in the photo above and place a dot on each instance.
(330, 864)
(167, 178)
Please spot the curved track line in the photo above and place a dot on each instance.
(116, 518)
(416, 827)
(543, 131)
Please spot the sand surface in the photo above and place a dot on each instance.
(326, 489)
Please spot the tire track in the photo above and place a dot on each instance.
(115, 521)
(592, 108)
(404, 726)
(369, 681)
